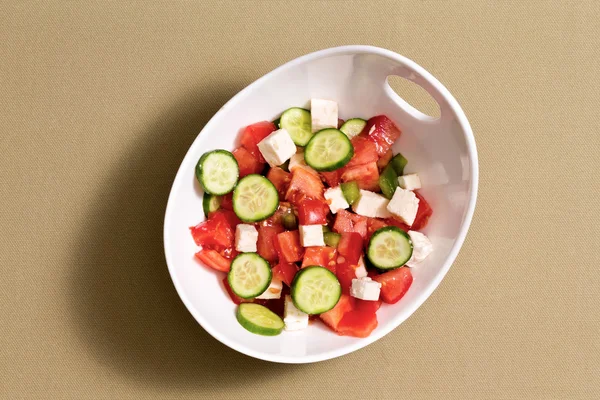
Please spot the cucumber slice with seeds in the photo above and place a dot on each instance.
(351, 191)
(389, 248)
(328, 150)
(353, 127)
(297, 122)
(210, 203)
(255, 198)
(259, 319)
(315, 290)
(217, 171)
(250, 275)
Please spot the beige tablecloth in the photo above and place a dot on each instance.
(99, 103)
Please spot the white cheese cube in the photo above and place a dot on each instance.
(311, 235)
(273, 291)
(404, 204)
(409, 182)
(293, 318)
(336, 199)
(372, 205)
(422, 247)
(246, 237)
(361, 270)
(324, 114)
(297, 161)
(365, 289)
(277, 148)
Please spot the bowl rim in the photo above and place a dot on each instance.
(426, 292)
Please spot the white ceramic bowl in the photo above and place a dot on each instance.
(441, 150)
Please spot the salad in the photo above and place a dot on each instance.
(312, 218)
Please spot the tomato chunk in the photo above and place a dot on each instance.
(229, 215)
(323, 256)
(357, 323)
(394, 284)
(213, 259)
(312, 212)
(423, 213)
(385, 159)
(365, 151)
(350, 247)
(215, 231)
(267, 236)
(290, 249)
(366, 175)
(247, 162)
(332, 178)
(333, 317)
(253, 134)
(345, 221)
(383, 132)
(227, 201)
(345, 272)
(397, 223)
(285, 272)
(374, 224)
(280, 179)
(367, 305)
(303, 185)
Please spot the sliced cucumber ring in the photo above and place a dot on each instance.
(389, 248)
(328, 150)
(259, 319)
(255, 198)
(250, 275)
(353, 127)
(297, 122)
(217, 171)
(210, 203)
(315, 290)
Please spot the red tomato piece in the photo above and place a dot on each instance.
(350, 247)
(323, 256)
(213, 259)
(364, 152)
(394, 284)
(253, 134)
(357, 323)
(247, 162)
(303, 185)
(367, 306)
(332, 178)
(397, 223)
(215, 231)
(340, 123)
(229, 215)
(366, 175)
(374, 224)
(383, 132)
(234, 297)
(346, 221)
(227, 201)
(385, 159)
(312, 212)
(423, 213)
(285, 272)
(267, 237)
(345, 272)
(280, 179)
(333, 317)
(290, 249)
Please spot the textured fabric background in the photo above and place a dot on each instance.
(99, 102)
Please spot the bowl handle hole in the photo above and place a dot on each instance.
(414, 98)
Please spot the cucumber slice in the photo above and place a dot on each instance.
(388, 181)
(250, 275)
(210, 203)
(255, 198)
(331, 239)
(353, 127)
(259, 319)
(315, 290)
(297, 122)
(328, 150)
(217, 171)
(398, 163)
(389, 248)
(351, 191)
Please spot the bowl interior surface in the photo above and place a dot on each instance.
(441, 150)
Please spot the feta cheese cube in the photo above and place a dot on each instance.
(365, 289)
(297, 161)
(293, 318)
(361, 270)
(404, 204)
(372, 205)
(324, 114)
(246, 237)
(273, 291)
(336, 199)
(409, 182)
(311, 235)
(422, 247)
(277, 148)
